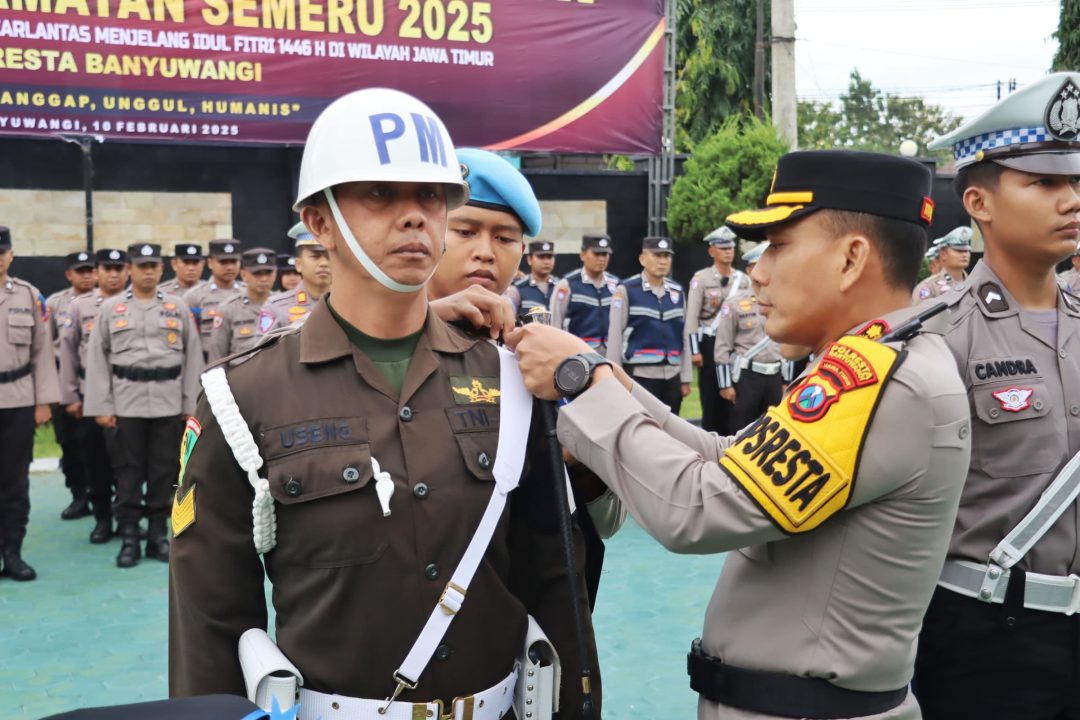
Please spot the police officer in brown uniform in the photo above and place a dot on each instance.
(313, 264)
(709, 288)
(27, 388)
(111, 268)
(187, 265)
(239, 328)
(999, 638)
(80, 275)
(206, 300)
(142, 371)
(750, 372)
(837, 502)
(953, 256)
(375, 472)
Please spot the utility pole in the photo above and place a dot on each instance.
(784, 106)
(759, 62)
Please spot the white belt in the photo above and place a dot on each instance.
(1051, 593)
(491, 704)
(760, 368)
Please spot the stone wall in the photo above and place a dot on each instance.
(565, 221)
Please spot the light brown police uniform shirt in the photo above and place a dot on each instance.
(144, 334)
(25, 340)
(352, 588)
(844, 601)
(173, 287)
(74, 341)
(741, 327)
(238, 330)
(707, 293)
(1024, 393)
(288, 307)
(205, 302)
(937, 285)
(1071, 279)
(58, 304)
(619, 317)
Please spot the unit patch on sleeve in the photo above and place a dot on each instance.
(799, 467)
(183, 508)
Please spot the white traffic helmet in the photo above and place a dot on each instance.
(379, 134)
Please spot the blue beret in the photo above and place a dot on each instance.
(497, 185)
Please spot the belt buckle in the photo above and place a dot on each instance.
(1074, 601)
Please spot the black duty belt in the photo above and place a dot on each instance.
(146, 374)
(773, 693)
(13, 375)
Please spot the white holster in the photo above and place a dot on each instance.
(537, 694)
(737, 367)
(268, 674)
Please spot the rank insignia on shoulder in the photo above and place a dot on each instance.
(471, 390)
(183, 510)
(993, 298)
(800, 471)
(1014, 399)
(875, 330)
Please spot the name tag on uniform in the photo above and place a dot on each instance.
(798, 461)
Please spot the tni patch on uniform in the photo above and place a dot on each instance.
(472, 390)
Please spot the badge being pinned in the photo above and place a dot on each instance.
(1014, 399)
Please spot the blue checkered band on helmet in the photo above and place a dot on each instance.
(965, 150)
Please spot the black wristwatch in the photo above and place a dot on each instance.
(575, 373)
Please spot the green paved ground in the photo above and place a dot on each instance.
(86, 633)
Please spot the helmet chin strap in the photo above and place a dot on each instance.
(376, 272)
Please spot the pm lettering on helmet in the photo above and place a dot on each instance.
(386, 127)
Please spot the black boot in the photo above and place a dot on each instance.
(157, 540)
(79, 508)
(14, 566)
(129, 549)
(102, 531)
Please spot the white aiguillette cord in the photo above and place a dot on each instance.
(515, 418)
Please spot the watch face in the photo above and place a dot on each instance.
(572, 375)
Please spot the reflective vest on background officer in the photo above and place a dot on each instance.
(531, 292)
(28, 386)
(1071, 278)
(648, 312)
(80, 273)
(206, 300)
(239, 328)
(955, 245)
(581, 304)
(74, 341)
(187, 264)
(709, 288)
(142, 372)
(746, 360)
(1005, 611)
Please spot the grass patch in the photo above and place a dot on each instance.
(691, 404)
(45, 444)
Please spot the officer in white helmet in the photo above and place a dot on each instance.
(417, 569)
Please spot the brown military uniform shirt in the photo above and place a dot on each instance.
(843, 602)
(1019, 439)
(238, 330)
(25, 342)
(142, 334)
(741, 327)
(74, 341)
(707, 293)
(205, 302)
(937, 285)
(352, 588)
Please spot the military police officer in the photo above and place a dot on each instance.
(206, 300)
(142, 370)
(187, 265)
(582, 301)
(534, 291)
(240, 314)
(27, 388)
(80, 275)
(954, 256)
(112, 270)
(709, 288)
(836, 503)
(645, 330)
(1004, 612)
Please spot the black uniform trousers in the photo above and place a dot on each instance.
(99, 473)
(715, 411)
(667, 391)
(754, 394)
(65, 427)
(145, 450)
(997, 662)
(16, 451)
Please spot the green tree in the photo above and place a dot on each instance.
(865, 118)
(1067, 56)
(714, 65)
(729, 171)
